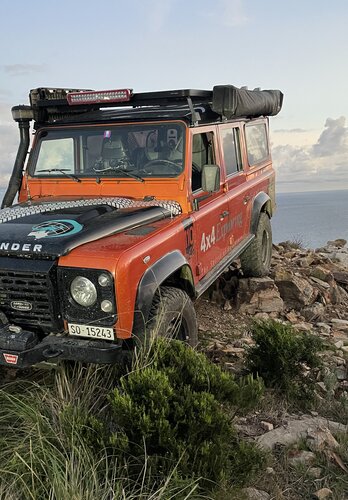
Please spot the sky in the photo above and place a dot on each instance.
(298, 46)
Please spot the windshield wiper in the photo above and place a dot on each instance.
(61, 170)
(117, 169)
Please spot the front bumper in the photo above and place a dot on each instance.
(55, 348)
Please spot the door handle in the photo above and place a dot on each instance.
(246, 200)
(224, 214)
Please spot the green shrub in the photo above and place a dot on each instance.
(172, 411)
(279, 357)
(154, 432)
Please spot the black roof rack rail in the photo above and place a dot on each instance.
(227, 101)
(50, 102)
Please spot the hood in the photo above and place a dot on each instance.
(50, 229)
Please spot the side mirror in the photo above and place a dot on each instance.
(211, 178)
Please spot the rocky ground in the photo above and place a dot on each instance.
(308, 289)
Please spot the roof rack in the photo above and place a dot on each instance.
(50, 104)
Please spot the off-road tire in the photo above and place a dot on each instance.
(172, 315)
(256, 259)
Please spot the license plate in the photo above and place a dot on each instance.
(96, 332)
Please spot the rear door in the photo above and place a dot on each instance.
(237, 227)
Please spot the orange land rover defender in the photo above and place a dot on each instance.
(129, 206)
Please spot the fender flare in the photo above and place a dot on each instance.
(153, 277)
(261, 200)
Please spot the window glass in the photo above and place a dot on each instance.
(231, 150)
(145, 150)
(257, 143)
(202, 154)
(58, 154)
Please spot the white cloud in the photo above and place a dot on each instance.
(158, 12)
(8, 144)
(319, 166)
(24, 69)
(232, 12)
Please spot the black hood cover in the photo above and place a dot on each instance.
(50, 232)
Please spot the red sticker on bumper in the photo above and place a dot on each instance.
(11, 359)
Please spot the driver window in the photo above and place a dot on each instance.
(202, 154)
(57, 154)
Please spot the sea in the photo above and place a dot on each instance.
(310, 219)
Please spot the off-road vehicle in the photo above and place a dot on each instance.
(129, 206)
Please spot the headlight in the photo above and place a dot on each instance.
(83, 291)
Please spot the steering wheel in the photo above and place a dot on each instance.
(169, 163)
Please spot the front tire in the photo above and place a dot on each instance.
(172, 315)
(256, 259)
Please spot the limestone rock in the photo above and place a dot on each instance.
(340, 324)
(314, 312)
(341, 373)
(320, 439)
(302, 457)
(315, 472)
(339, 243)
(295, 291)
(322, 274)
(258, 295)
(266, 426)
(254, 494)
(297, 429)
(323, 493)
(324, 328)
(304, 327)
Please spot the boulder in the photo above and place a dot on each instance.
(340, 324)
(322, 273)
(314, 312)
(258, 295)
(295, 291)
(339, 243)
(320, 439)
(295, 430)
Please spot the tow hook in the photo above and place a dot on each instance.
(52, 353)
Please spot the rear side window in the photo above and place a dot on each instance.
(257, 143)
(231, 149)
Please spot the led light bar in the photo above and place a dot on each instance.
(99, 96)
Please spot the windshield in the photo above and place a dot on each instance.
(137, 151)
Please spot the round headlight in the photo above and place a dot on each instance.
(83, 291)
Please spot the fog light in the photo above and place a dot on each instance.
(104, 280)
(106, 306)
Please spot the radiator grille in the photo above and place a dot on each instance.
(30, 291)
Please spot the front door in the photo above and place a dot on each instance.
(211, 209)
